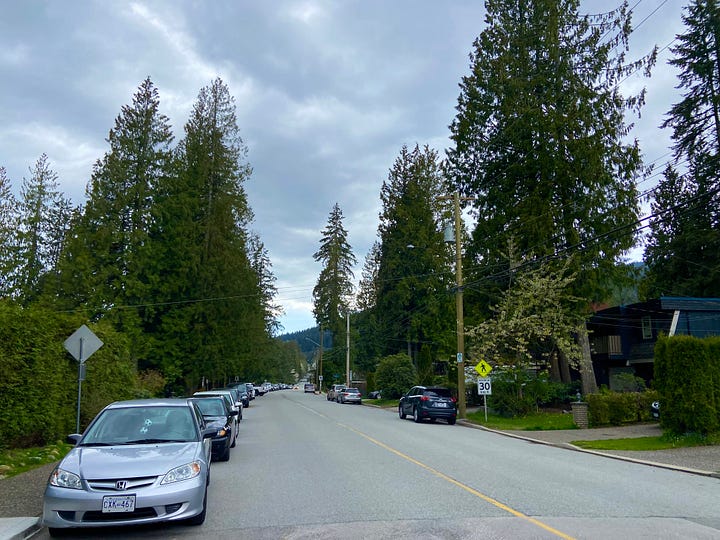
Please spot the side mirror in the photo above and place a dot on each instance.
(73, 438)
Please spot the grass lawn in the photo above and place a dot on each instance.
(664, 442)
(532, 422)
(17, 461)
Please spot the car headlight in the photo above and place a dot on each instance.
(184, 472)
(222, 432)
(65, 479)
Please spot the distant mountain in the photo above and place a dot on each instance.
(308, 340)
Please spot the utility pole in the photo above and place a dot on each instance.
(460, 322)
(459, 310)
(347, 350)
(320, 376)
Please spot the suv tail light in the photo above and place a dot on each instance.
(454, 400)
(424, 398)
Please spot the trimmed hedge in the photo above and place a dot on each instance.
(38, 377)
(617, 408)
(687, 377)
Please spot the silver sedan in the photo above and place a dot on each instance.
(349, 395)
(141, 461)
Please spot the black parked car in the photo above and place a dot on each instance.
(242, 393)
(431, 402)
(218, 416)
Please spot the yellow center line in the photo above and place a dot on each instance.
(485, 498)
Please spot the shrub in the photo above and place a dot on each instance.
(687, 376)
(518, 392)
(617, 408)
(395, 375)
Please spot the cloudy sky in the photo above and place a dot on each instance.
(327, 92)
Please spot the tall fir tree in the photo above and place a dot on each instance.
(9, 221)
(539, 144)
(107, 266)
(332, 294)
(218, 324)
(414, 273)
(262, 266)
(368, 345)
(44, 220)
(682, 251)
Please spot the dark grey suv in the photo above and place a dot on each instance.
(431, 402)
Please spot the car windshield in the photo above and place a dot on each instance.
(211, 406)
(138, 425)
(352, 390)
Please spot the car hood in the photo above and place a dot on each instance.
(129, 461)
(216, 422)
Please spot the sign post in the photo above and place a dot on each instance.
(81, 344)
(484, 383)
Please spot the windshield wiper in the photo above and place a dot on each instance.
(98, 444)
(153, 441)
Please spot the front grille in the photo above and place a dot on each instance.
(139, 513)
(109, 484)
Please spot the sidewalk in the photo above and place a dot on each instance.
(702, 460)
(22, 495)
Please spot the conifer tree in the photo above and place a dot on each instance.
(682, 251)
(9, 219)
(413, 276)
(539, 144)
(201, 230)
(332, 294)
(44, 220)
(107, 266)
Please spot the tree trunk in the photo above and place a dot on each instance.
(565, 369)
(554, 367)
(587, 374)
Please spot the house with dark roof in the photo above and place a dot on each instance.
(622, 338)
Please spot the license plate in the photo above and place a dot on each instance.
(118, 503)
(441, 404)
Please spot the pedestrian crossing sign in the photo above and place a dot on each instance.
(483, 368)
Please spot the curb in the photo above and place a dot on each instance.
(568, 446)
(18, 528)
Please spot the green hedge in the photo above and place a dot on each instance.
(38, 377)
(617, 408)
(687, 377)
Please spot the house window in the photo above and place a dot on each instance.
(646, 328)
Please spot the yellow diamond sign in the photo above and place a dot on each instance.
(483, 368)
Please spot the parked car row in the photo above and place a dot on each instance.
(145, 461)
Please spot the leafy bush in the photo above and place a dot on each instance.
(518, 392)
(39, 379)
(617, 408)
(687, 377)
(395, 375)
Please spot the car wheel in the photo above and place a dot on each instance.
(225, 456)
(401, 412)
(200, 518)
(416, 415)
(451, 421)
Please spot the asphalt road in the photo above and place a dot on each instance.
(308, 468)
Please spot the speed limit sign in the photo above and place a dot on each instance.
(485, 387)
